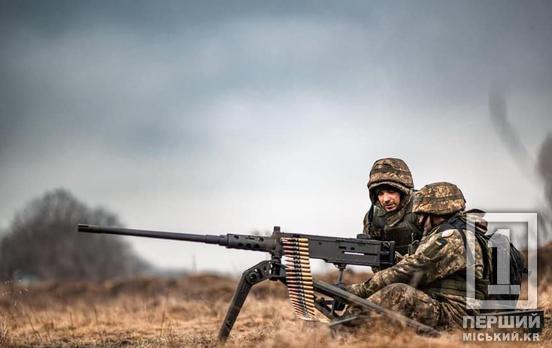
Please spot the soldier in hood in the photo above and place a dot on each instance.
(390, 217)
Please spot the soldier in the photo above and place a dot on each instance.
(390, 217)
(430, 285)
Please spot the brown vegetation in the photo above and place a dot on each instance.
(182, 312)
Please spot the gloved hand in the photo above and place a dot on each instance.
(338, 305)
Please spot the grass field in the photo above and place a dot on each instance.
(187, 312)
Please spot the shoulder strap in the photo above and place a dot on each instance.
(461, 226)
(371, 214)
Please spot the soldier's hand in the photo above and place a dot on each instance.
(398, 257)
(338, 305)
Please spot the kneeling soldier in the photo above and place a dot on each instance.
(430, 285)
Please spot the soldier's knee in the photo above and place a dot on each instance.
(393, 295)
(397, 289)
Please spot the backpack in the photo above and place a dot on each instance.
(496, 246)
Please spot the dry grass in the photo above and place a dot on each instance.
(184, 312)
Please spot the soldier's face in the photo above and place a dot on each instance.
(424, 220)
(389, 199)
(428, 222)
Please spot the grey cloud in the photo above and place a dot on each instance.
(210, 97)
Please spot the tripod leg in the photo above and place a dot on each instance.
(343, 295)
(250, 277)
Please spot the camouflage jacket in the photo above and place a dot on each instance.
(438, 267)
(400, 226)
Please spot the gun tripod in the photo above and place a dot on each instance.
(275, 271)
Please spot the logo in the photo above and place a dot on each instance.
(519, 326)
(501, 227)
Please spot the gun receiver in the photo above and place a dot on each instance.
(296, 250)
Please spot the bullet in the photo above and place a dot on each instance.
(302, 306)
(293, 270)
(299, 294)
(299, 239)
(308, 289)
(298, 270)
(298, 262)
(296, 289)
(292, 249)
(300, 290)
(298, 276)
(296, 247)
(303, 311)
(297, 253)
(304, 253)
(301, 303)
(296, 257)
(289, 254)
(298, 307)
(298, 283)
(302, 296)
(295, 260)
(302, 299)
(289, 257)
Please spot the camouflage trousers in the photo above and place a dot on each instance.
(410, 302)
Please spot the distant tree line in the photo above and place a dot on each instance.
(42, 243)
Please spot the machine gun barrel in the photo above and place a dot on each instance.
(234, 241)
(209, 239)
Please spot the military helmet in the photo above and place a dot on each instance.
(440, 198)
(393, 172)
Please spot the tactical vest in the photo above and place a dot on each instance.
(455, 284)
(406, 232)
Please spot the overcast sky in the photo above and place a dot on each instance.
(228, 117)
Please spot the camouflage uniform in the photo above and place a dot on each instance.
(401, 224)
(430, 285)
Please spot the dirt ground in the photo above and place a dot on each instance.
(188, 312)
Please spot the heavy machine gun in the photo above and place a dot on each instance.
(295, 250)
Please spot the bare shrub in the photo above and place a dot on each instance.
(43, 243)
